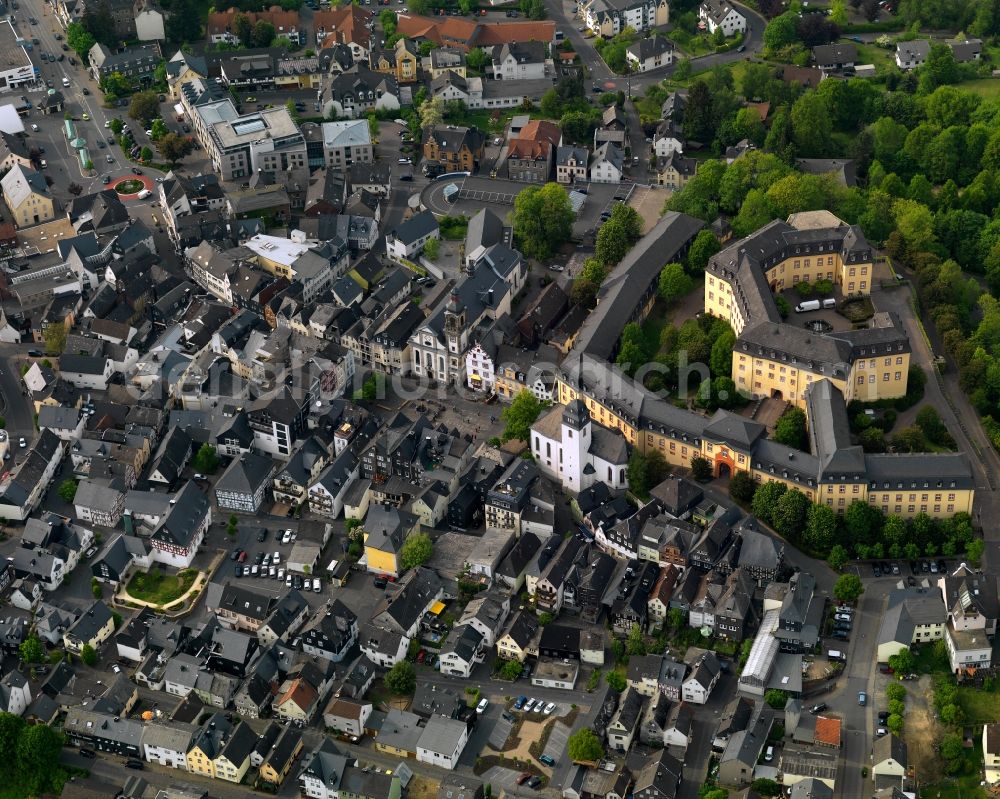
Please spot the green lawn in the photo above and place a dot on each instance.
(691, 46)
(979, 706)
(988, 88)
(931, 659)
(962, 786)
(870, 54)
(159, 588)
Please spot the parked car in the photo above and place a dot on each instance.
(842, 617)
(523, 777)
(862, 698)
(876, 570)
(818, 708)
(483, 704)
(529, 705)
(549, 708)
(548, 761)
(519, 704)
(535, 782)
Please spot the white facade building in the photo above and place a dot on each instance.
(570, 448)
(720, 14)
(442, 742)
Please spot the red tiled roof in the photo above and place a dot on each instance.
(466, 34)
(526, 148)
(222, 21)
(541, 130)
(510, 32)
(347, 22)
(827, 731)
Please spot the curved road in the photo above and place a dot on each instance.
(561, 11)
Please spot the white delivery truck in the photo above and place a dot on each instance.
(808, 305)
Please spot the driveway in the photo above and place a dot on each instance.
(946, 395)
(555, 747)
(505, 779)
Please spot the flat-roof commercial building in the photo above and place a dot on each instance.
(16, 68)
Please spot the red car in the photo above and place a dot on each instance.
(421, 656)
(523, 777)
(243, 556)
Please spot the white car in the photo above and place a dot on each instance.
(281, 573)
(286, 538)
(400, 121)
(528, 705)
(556, 268)
(483, 704)
(116, 668)
(317, 585)
(404, 161)
(22, 443)
(276, 558)
(34, 128)
(842, 617)
(549, 708)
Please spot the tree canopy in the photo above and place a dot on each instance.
(543, 219)
(417, 549)
(520, 415)
(584, 746)
(401, 679)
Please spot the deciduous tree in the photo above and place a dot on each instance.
(674, 283)
(583, 745)
(742, 487)
(543, 219)
(67, 490)
(401, 679)
(206, 460)
(144, 107)
(88, 655)
(173, 147)
(520, 415)
(790, 429)
(417, 549)
(848, 588)
(31, 650)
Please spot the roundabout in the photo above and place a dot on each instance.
(128, 187)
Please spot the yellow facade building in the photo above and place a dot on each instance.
(833, 473)
(773, 358)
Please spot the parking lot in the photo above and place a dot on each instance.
(556, 745)
(486, 196)
(505, 779)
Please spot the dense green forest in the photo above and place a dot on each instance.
(927, 158)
